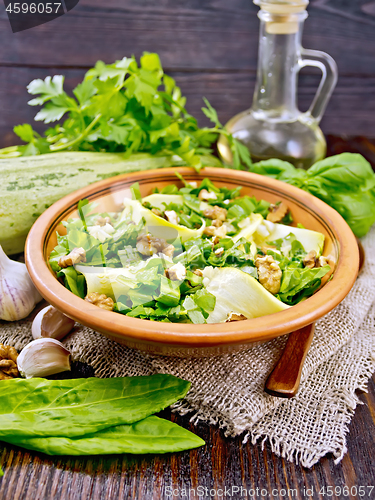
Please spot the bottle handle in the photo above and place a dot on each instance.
(328, 82)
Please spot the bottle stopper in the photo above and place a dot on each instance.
(282, 16)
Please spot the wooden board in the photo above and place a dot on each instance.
(223, 462)
(209, 36)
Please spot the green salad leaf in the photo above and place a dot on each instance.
(148, 284)
(74, 281)
(299, 282)
(346, 182)
(169, 292)
(151, 435)
(38, 407)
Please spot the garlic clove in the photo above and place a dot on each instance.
(51, 323)
(18, 295)
(43, 357)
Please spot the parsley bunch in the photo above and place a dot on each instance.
(123, 107)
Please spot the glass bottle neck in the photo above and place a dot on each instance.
(279, 53)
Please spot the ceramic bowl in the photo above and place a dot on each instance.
(188, 339)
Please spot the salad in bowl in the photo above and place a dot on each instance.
(200, 253)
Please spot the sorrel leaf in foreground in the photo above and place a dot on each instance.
(151, 435)
(39, 407)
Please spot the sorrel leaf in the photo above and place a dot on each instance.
(151, 435)
(39, 407)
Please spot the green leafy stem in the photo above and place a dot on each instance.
(123, 107)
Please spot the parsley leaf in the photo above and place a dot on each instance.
(124, 107)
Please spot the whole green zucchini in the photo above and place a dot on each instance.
(30, 184)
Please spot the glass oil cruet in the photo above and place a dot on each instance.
(274, 127)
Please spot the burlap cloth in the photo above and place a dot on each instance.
(228, 391)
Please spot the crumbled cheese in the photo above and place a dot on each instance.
(262, 230)
(229, 227)
(172, 217)
(176, 272)
(101, 233)
(207, 195)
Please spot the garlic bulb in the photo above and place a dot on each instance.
(43, 357)
(51, 323)
(18, 295)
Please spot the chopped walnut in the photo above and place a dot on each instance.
(269, 273)
(232, 316)
(74, 257)
(206, 195)
(177, 272)
(150, 245)
(218, 232)
(8, 362)
(216, 212)
(102, 221)
(157, 212)
(168, 251)
(217, 223)
(209, 230)
(100, 300)
(310, 260)
(277, 212)
(172, 217)
(323, 261)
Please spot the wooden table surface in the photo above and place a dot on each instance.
(207, 471)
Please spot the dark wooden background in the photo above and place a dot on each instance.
(209, 46)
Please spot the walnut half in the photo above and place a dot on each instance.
(74, 257)
(100, 300)
(269, 273)
(150, 245)
(215, 212)
(277, 212)
(8, 362)
(232, 316)
(310, 260)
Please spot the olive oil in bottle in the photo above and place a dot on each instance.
(274, 127)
